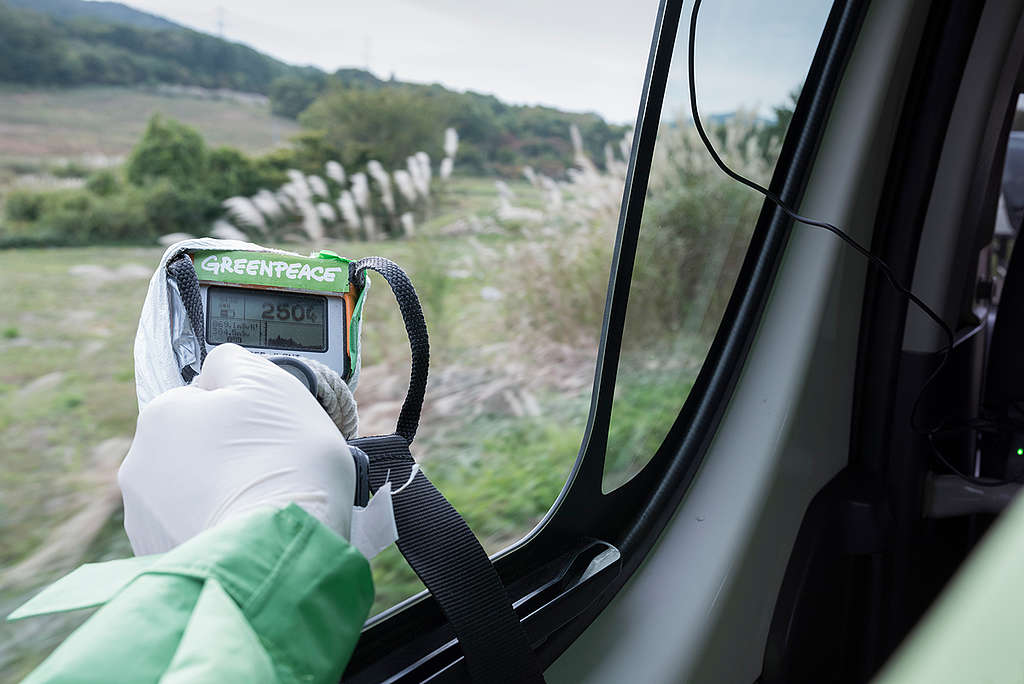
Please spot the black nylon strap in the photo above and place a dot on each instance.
(184, 274)
(435, 540)
(448, 558)
(415, 326)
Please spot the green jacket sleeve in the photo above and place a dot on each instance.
(274, 596)
(972, 631)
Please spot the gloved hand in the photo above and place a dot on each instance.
(244, 435)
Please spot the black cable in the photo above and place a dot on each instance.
(999, 425)
(977, 481)
(872, 259)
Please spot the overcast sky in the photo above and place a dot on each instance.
(580, 55)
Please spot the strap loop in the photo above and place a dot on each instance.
(184, 274)
(415, 326)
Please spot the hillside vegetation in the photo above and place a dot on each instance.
(112, 12)
(38, 48)
(74, 43)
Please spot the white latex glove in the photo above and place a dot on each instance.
(244, 435)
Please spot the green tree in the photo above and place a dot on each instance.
(290, 95)
(103, 183)
(30, 49)
(91, 46)
(169, 150)
(387, 124)
(170, 209)
(230, 173)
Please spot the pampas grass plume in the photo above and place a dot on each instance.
(406, 186)
(361, 190)
(349, 212)
(245, 212)
(451, 142)
(318, 186)
(335, 171)
(326, 212)
(408, 223)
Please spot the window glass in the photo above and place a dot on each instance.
(482, 146)
(751, 60)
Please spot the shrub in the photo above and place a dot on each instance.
(173, 152)
(24, 205)
(30, 236)
(119, 218)
(176, 185)
(276, 161)
(62, 216)
(103, 183)
(171, 209)
(386, 124)
(310, 151)
(231, 173)
(133, 215)
(68, 224)
(290, 95)
(76, 199)
(168, 150)
(71, 169)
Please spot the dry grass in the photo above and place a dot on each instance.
(41, 125)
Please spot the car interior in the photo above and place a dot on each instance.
(836, 460)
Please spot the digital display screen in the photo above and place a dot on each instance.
(263, 319)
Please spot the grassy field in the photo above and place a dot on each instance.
(38, 126)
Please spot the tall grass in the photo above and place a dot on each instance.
(694, 234)
(696, 227)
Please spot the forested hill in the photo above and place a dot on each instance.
(70, 42)
(111, 12)
(77, 43)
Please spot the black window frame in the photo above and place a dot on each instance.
(411, 641)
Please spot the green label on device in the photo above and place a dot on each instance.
(273, 270)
